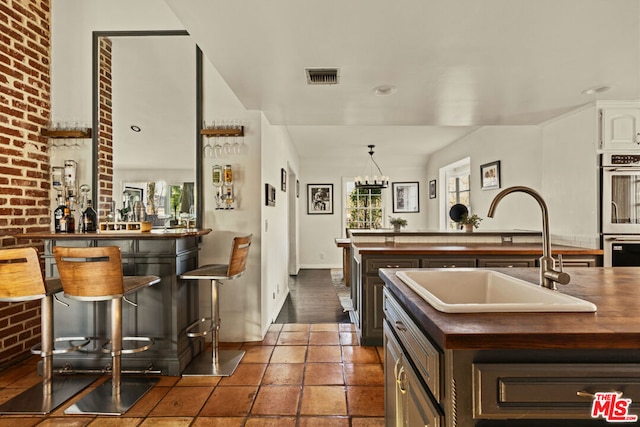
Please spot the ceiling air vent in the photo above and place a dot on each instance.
(322, 76)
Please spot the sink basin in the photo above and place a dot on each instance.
(483, 291)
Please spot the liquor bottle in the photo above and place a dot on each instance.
(69, 222)
(58, 213)
(89, 218)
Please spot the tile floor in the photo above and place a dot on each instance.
(300, 375)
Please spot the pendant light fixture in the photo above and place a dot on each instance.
(372, 181)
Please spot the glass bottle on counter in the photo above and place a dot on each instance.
(58, 213)
(89, 218)
(69, 222)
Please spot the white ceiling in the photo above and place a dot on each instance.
(457, 64)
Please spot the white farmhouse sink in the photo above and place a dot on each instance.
(482, 291)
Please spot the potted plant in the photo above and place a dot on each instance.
(397, 223)
(469, 222)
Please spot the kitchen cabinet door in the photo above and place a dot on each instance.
(620, 128)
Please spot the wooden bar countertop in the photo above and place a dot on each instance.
(468, 249)
(616, 324)
(159, 233)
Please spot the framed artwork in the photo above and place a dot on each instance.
(405, 197)
(319, 199)
(283, 180)
(132, 194)
(269, 195)
(490, 175)
(432, 189)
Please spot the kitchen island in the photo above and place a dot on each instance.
(498, 369)
(162, 311)
(371, 251)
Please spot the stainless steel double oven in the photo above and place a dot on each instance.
(620, 209)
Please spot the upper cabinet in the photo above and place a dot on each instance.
(620, 127)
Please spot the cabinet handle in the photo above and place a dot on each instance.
(393, 266)
(400, 326)
(396, 374)
(589, 395)
(402, 378)
(638, 139)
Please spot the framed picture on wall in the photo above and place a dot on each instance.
(405, 197)
(490, 175)
(432, 189)
(319, 199)
(283, 179)
(269, 195)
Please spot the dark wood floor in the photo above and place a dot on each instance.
(312, 299)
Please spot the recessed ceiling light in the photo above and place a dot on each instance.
(385, 90)
(596, 90)
(135, 128)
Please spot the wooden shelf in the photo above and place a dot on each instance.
(239, 131)
(73, 133)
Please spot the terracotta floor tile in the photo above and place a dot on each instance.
(167, 422)
(323, 374)
(198, 381)
(275, 327)
(328, 327)
(323, 422)
(283, 374)
(218, 422)
(271, 422)
(10, 421)
(346, 327)
(323, 400)
(296, 327)
(293, 338)
(276, 400)
(271, 338)
(380, 351)
(367, 422)
(324, 338)
(12, 375)
(182, 402)
(166, 381)
(257, 354)
(145, 405)
(364, 374)
(353, 354)
(366, 400)
(245, 374)
(348, 338)
(324, 353)
(289, 354)
(65, 422)
(229, 401)
(116, 422)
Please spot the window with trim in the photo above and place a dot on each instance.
(458, 188)
(363, 207)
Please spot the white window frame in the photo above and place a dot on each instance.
(458, 168)
(347, 185)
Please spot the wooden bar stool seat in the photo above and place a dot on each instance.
(219, 362)
(95, 274)
(20, 281)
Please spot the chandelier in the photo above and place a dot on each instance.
(372, 181)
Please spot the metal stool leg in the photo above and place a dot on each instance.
(51, 392)
(116, 396)
(218, 363)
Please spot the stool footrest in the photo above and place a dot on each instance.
(145, 347)
(37, 349)
(195, 330)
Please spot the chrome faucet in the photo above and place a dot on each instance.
(549, 276)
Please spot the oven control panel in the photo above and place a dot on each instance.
(620, 159)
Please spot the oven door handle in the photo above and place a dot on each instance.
(623, 239)
(624, 169)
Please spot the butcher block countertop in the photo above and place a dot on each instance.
(172, 233)
(467, 249)
(615, 325)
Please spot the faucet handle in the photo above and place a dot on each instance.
(560, 265)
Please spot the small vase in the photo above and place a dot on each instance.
(468, 228)
(396, 228)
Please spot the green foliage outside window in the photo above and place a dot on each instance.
(364, 208)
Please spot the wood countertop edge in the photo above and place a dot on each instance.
(465, 249)
(442, 327)
(111, 235)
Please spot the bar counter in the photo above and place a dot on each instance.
(162, 311)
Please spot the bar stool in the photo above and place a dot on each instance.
(20, 281)
(95, 274)
(217, 363)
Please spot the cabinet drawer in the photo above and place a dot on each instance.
(506, 262)
(421, 351)
(448, 262)
(547, 391)
(371, 265)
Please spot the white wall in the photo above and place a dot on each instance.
(317, 232)
(519, 149)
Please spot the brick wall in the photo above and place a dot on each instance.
(24, 158)
(105, 137)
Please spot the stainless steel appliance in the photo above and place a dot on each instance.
(620, 209)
